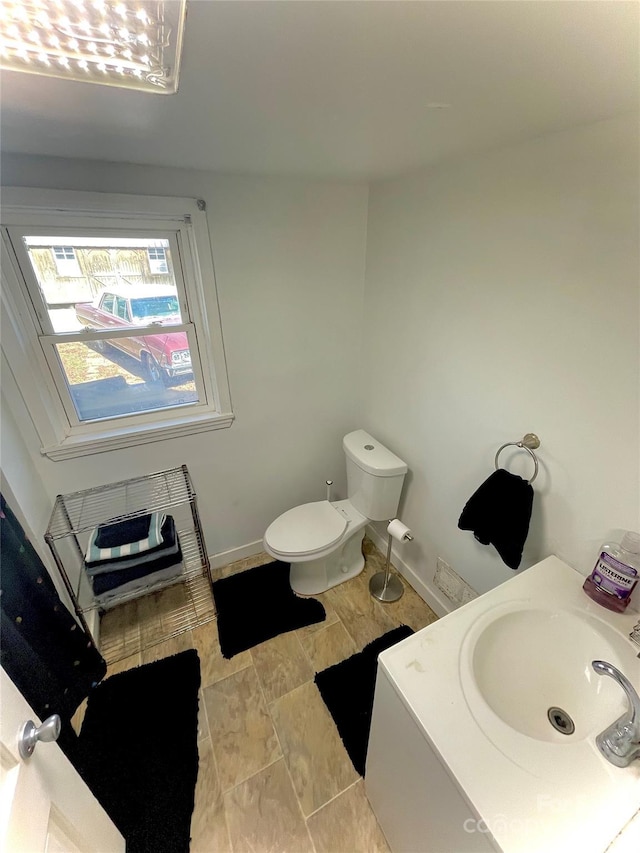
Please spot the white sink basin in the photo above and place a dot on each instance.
(532, 666)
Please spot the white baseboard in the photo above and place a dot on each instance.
(428, 592)
(225, 557)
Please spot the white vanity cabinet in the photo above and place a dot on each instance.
(418, 806)
(464, 756)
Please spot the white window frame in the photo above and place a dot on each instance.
(27, 334)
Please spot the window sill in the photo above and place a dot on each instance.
(118, 438)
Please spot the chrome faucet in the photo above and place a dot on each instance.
(620, 742)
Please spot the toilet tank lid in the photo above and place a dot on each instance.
(372, 456)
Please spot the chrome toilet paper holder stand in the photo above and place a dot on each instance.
(384, 586)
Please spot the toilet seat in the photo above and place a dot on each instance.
(306, 529)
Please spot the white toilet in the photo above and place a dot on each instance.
(323, 540)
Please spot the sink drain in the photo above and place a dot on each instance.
(561, 721)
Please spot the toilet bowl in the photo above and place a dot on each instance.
(323, 540)
(320, 541)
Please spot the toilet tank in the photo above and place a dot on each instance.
(374, 476)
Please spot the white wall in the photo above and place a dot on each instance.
(22, 488)
(502, 297)
(289, 259)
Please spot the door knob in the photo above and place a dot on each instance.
(31, 734)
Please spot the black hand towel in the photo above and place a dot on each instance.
(499, 513)
(168, 545)
(123, 532)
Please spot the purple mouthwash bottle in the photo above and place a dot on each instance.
(615, 573)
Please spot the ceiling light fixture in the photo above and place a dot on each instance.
(134, 44)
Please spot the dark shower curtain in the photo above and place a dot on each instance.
(46, 653)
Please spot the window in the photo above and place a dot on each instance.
(112, 356)
(66, 261)
(122, 309)
(157, 260)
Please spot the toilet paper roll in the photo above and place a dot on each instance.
(398, 530)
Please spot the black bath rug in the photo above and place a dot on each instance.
(259, 604)
(347, 689)
(138, 751)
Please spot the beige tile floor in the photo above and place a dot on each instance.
(274, 776)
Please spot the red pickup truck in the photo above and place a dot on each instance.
(165, 355)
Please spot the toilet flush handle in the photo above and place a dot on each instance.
(329, 484)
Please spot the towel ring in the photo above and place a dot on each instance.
(529, 442)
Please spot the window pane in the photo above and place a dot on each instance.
(137, 274)
(125, 376)
(157, 260)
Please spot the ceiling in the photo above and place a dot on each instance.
(346, 89)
